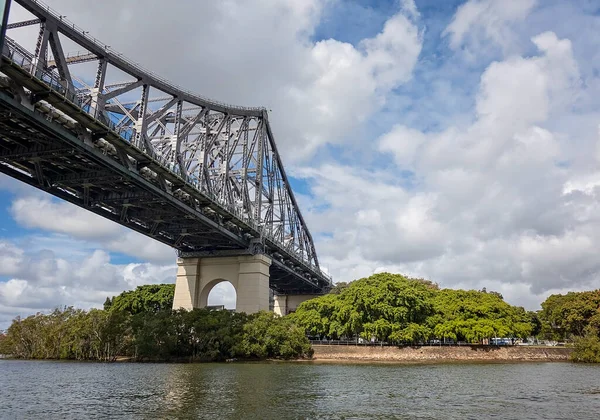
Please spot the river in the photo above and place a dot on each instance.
(70, 390)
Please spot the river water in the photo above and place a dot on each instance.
(69, 390)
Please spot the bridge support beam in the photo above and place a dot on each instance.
(285, 304)
(249, 275)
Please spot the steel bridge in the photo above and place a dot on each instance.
(99, 131)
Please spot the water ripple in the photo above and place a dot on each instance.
(62, 390)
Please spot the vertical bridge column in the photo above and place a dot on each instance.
(249, 275)
(285, 304)
(186, 283)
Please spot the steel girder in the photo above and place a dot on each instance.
(219, 159)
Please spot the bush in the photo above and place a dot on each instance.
(267, 335)
(587, 349)
(163, 335)
(5, 345)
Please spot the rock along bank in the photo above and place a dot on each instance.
(473, 353)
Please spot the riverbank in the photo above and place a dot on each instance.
(474, 353)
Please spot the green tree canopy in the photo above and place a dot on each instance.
(566, 316)
(587, 349)
(268, 335)
(196, 335)
(5, 345)
(147, 298)
(392, 307)
(473, 316)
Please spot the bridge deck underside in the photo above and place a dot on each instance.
(47, 156)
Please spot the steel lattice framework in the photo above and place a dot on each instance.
(202, 176)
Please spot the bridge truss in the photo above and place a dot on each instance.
(99, 131)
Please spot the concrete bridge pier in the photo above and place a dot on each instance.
(249, 275)
(285, 304)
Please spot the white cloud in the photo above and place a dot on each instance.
(477, 23)
(62, 217)
(65, 218)
(410, 8)
(16, 187)
(370, 215)
(346, 85)
(564, 261)
(10, 258)
(41, 281)
(140, 246)
(404, 142)
(489, 203)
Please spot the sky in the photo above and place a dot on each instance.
(457, 141)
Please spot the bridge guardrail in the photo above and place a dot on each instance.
(135, 65)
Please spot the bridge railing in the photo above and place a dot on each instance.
(23, 59)
(134, 65)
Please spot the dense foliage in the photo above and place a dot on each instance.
(267, 335)
(140, 324)
(4, 348)
(394, 308)
(587, 349)
(67, 334)
(147, 298)
(567, 316)
(574, 316)
(473, 316)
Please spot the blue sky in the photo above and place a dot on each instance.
(452, 140)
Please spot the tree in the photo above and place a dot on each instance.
(587, 348)
(567, 316)
(5, 344)
(210, 335)
(317, 315)
(472, 316)
(412, 333)
(267, 335)
(339, 286)
(392, 307)
(152, 333)
(148, 298)
(369, 307)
